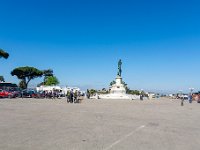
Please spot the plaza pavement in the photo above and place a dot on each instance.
(31, 124)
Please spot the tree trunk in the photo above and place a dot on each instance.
(27, 83)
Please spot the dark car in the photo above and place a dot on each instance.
(39, 95)
(28, 93)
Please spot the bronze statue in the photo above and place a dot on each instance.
(119, 68)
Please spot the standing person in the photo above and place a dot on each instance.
(88, 94)
(22, 94)
(50, 94)
(190, 98)
(68, 96)
(141, 97)
(45, 94)
(54, 93)
(75, 96)
(78, 96)
(71, 96)
(182, 101)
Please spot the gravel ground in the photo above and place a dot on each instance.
(31, 124)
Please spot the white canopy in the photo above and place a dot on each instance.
(48, 88)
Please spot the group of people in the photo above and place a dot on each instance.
(52, 94)
(190, 99)
(73, 96)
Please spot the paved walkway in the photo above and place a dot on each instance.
(99, 125)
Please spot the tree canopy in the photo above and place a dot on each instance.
(2, 79)
(26, 74)
(51, 80)
(3, 54)
(48, 73)
(133, 92)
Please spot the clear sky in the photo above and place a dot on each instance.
(82, 40)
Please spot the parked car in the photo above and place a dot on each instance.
(28, 94)
(39, 95)
(3, 94)
(14, 93)
(8, 94)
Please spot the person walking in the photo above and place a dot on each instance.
(75, 97)
(68, 96)
(71, 96)
(141, 97)
(190, 98)
(182, 101)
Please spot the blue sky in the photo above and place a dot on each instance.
(158, 41)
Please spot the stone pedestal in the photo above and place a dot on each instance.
(118, 87)
(117, 91)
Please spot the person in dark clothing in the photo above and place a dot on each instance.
(190, 98)
(71, 96)
(182, 101)
(141, 97)
(68, 96)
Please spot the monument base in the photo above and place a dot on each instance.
(118, 97)
(118, 91)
